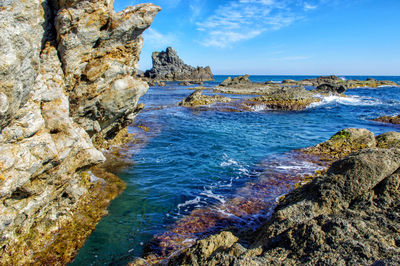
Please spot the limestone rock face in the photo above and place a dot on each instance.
(65, 71)
(20, 44)
(168, 66)
(100, 50)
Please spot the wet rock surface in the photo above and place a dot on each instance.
(389, 119)
(285, 98)
(65, 80)
(197, 98)
(169, 67)
(348, 215)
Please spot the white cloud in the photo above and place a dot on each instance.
(158, 40)
(308, 6)
(241, 20)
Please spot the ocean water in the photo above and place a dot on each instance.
(189, 161)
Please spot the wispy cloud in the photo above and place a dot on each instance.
(241, 20)
(158, 40)
(308, 6)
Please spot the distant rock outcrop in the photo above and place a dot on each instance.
(168, 66)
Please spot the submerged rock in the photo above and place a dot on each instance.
(65, 81)
(350, 214)
(389, 119)
(168, 66)
(197, 98)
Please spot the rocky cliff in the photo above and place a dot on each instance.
(66, 72)
(168, 66)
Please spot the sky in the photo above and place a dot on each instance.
(278, 37)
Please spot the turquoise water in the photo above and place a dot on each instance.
(190, 160)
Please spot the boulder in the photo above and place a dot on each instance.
(168, 66)
(389, 119)
(236, 81)
(197, 98)
(330, 89)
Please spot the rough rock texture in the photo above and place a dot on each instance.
(65, 71)
(323, 84)
(99, 50)
(197, 98)
(331, 89)
(343, 143)
(236, 81)
(348, 216)
(285, 98)
(168, 66)
(389, 119)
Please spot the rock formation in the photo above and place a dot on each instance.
(197, 98)
(389, 119)
(168, 66)
(284, 98)
(323, 84)
(349, 215)
(65, 76)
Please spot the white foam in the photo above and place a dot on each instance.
(189, 202)
(343, 78)
(351, 100)
(259, 108)
(189, 240)
(224, 212)
(385, 86)
(209, 194)
(229, 163)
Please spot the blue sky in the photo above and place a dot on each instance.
(273, 37)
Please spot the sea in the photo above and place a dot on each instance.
(191, 170)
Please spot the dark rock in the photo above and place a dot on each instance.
(389, 119)
(184, 83)
(288, 81)
(236, 81)
(331, 88)
(168, 66)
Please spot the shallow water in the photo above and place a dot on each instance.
(191, 161)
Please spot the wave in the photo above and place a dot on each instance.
(259, 108)
(349, 100)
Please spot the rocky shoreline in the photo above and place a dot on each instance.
(348, 215)
(289, 95)
(66, 89)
